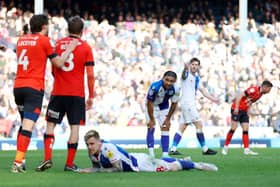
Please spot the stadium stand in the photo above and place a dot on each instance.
(134, 42)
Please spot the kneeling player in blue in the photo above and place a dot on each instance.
(108, 157)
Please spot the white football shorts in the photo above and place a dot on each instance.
(149, 164)
(159, 115)
(189, 114)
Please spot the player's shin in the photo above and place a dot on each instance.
(176, 141)
(150, 141)
(165, 143)
(48, 145)
(22, 145)
(72, 149)
(200, 137)
(245, 139)
(229, 137)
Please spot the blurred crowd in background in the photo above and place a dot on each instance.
(135, 42)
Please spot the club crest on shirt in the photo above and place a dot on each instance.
(171, 92)
(252, 90)
(151, 92)
(110, 154)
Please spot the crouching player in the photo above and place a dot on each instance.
(108, 157)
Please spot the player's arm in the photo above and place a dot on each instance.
(58, 61)
(171, 111)
(90, 83)
(150, 105)
(116, 168)
(88, 170)
(112, 154)
(150, 109)
(206, 94)
(174, 101)
(183, 76)
(95, 170)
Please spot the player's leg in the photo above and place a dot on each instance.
(201, 139)
(164, 141)
(205, 166)
(182, 164)
(176, 139)
(48, 147)
(145, 162)
(164, 132)
(18, 133)
(188, 114)
(49, 140)
(54, 115)
(76, 113)
(244, 120)
(234, 123)
(72, 147)
(150, 141)
(20, 105)
(32, 109)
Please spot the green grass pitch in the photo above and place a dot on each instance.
(235, 170)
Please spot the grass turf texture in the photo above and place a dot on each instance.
(235, 169)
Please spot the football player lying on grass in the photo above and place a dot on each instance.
(108, 157)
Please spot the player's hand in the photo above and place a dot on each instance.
(88, 170)
(186, 67)
(151, 123)
(73, 44)
(166, 123)
(235, 111)
(89, 103)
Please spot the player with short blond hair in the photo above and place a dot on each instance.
(108, 157)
